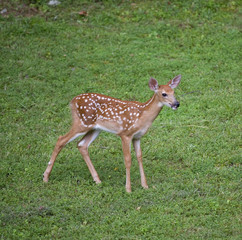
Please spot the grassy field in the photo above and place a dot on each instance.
(192, 156)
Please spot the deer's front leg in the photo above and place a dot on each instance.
(127, 160)
(137, 148)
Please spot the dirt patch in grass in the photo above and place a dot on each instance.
(8, 8)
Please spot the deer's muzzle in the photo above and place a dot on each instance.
(175, 105)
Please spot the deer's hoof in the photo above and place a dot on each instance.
(45, 179)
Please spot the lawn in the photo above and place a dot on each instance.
(191, 157)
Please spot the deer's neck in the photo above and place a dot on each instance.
(152, 108)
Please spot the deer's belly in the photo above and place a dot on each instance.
(108, 127)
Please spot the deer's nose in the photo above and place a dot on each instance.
(175, 105)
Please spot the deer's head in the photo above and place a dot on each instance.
(165, 93)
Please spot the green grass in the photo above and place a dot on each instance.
(191, 157)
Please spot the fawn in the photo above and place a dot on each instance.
(92, 113)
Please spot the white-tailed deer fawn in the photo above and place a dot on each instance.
(130, 120)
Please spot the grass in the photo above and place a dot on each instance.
(191, 157)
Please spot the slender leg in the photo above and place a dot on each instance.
(137, 148)
(127, 159)
(62, 141)
(83, 148)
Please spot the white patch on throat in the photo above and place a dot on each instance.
(167, 104)
(160, 104)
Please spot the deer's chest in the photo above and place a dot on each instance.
(142, 131)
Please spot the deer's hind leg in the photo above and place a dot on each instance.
(61, 142)
(83, 148)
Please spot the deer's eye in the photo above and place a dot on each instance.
(164, 94)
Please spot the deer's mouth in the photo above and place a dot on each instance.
(175, 105)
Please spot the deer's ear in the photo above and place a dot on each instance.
(174, 82)
(153, 84)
